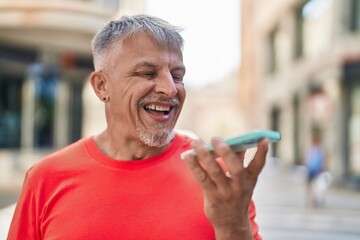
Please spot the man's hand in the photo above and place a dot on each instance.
(227, 196)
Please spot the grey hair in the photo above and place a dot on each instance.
(163, 33)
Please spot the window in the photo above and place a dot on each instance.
(40, 101)
(352, 120)
(354, 130)
(299, 32)
(75, 111)
(45, 79)
(12, 62)
(275, 121)
(272, 53)
(354, 15)
(10, 111)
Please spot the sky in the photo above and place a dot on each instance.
(211, 30)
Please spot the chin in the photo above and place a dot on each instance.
(157, 138)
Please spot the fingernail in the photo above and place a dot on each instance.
(183, 155)
(197, 144)
(217, 141)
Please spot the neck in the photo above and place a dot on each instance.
(125, 148)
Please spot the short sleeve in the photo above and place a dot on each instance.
(25, 224)
(254, 226)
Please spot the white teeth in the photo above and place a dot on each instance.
(157, 108)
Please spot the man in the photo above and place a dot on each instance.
(315, 163)
(129, 182)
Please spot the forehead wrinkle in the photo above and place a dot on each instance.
(145, 63)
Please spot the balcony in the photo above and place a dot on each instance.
(54, 23)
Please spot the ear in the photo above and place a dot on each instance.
(99, 83)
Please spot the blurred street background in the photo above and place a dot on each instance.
(287, 65)
(284, 212)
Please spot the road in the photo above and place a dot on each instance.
(283, 211)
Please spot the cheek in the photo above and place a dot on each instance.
(181, 93)
(120, 101)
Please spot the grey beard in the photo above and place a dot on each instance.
(159, 138)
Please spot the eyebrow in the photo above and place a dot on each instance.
(152, 65)
(181, 68)
(144, 64)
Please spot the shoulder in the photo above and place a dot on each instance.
(60, 159)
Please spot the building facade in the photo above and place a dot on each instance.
(300, 71)
(46, 101)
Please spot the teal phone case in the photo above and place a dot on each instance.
(243, 142)
(249, 140)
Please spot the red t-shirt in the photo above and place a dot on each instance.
(80, 193)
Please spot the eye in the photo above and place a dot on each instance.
(149, 75)
(178, 77)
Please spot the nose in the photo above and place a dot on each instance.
(165, 84)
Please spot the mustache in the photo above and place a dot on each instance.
(159, 99)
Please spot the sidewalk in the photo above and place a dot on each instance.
(283, 212)
(5, 218)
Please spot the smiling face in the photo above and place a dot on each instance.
(144, 83)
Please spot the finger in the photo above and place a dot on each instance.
(199, 173)
(211, 166)
(258, 162)
(241, 154)
(233, 161)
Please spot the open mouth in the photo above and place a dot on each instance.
(158, 110)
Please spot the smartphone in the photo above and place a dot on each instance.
(245, 141)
